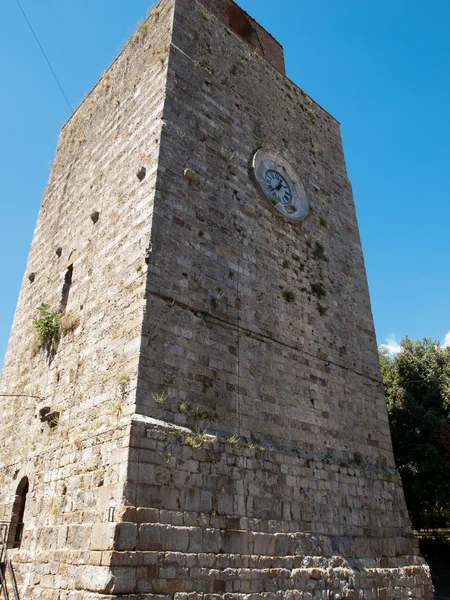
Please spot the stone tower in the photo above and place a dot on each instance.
(203, 413)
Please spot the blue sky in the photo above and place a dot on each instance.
(382, 68)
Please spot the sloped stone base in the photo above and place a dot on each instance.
(212, 520)
(175, 576)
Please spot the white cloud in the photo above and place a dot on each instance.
(392, 346)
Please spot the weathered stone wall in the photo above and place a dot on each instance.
(75, 486)
(77, 463)
(192, 304)
(213, 516)
(219, 333)
(230, 14)
(223, 349)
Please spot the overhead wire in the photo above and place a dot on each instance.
(45, 56)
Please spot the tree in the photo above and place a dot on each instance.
(417, 387)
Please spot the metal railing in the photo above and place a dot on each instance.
(5, 564)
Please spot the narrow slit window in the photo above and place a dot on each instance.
(17, 522)
(66, 289)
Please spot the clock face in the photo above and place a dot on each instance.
(279, 183)
(278, 187)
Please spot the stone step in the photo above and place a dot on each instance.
(147, 537)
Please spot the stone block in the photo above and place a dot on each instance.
(94, 579)
(102, 536)
(212, 541)
(235, 542)
(125, 537)
(225, 504)
(263, 544)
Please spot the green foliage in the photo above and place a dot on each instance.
(194, 442)
(201, 415)
(311, 114)
(47, 325)
(160, 398)
(233, 440)
(322, 309)
(313, 238)
(197, 439)
(318, 290)
(67, 323)
(288, 296)
(319, 252)
(417, 387)
(357, 457)
(184, 407)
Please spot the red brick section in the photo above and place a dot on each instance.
(247, 28)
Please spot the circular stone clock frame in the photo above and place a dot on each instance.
(279, 184)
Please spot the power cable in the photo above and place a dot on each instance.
(45, 56)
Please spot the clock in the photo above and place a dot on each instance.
(278, 182)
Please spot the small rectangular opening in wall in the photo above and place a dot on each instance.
(66, 289)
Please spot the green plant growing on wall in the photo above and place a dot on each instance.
(141, 29)
(123, 380)
(194, 442)
(322, 309)
(117, 409)
(215, 298)
(200, 64)
(200, 415)
(68, 322)
(159, 398)
(53, 420)
(206, 385)
(229, 155)
(288, 296)
(233, 440)
(319, 252)
(318, 290)
(357, 457)
(313, 238)
(311, 114)
(47, 326)
(184, 407)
